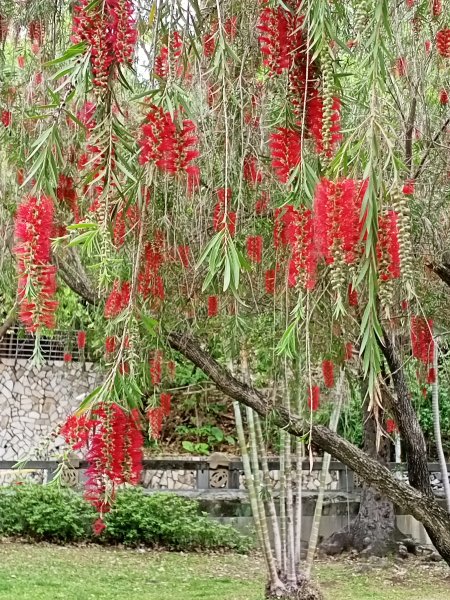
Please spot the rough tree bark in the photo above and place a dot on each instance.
(373, 530)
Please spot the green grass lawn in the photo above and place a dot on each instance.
(44, 572)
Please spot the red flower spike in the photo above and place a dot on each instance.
(436, 8)
(388, 247)
(184, 255)
(409, 187)
(6, 118)
(171, 370)
(155, 421)
(314, 119)
(422, 342)
(431, 375)
(328, 373)
(391, 426)
(254, 248)
(427, 46)
(81, 340)
(262, 203)
(270, 278)
(98, 527)
(400, 67)
(314, 398)
(21, 62)
(165, 400)
(443, 42)
(286, 152)
(110, 344)
(213, 306)
(352, 296)
(252, 173)
(443, 97)
(156, 368)
(67, 357)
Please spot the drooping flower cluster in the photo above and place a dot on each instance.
(162, 66)
(337, 219)
(422, 342)
(37, 276)
(314, 398)
(6, 118)
(388, 248)
(81, 340)
(117, 300)
(156, 367)
(252, 172)
(443, 42)
(315, 121)
(254, 245)
(65, 192)
(436, 7)
(285, 151)
(328, 373)
(151, 283)
(173, 149)
(213, 306)
(109, 29)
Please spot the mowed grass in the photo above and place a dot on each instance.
(45, 572)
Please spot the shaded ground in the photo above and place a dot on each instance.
(45, 572)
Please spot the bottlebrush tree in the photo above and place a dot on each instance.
(236, 172)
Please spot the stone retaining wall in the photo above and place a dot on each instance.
(35, 400)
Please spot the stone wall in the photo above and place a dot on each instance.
(34, 400)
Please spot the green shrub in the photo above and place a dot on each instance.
(167, 520)
(44, 513)
(54, 514)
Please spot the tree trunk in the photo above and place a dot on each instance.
(373, 531)
(421, 505)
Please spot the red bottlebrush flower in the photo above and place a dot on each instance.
(4, 26)
(67, 357)
(122, 30)
(400, 67)
(98, 527)
(231, 225)
(286, 152)
(352, 296)
(36, 31)
(254, 248)
(115, 302)
(21, 62)
(427, 46)
(76, 431)
(20, 176)
(443, 42)
(213, 306)
(314, 118)
(171, 370)
(410, 3)
(110, 344)
(156, 364)
(165, 400)
(391, 426)
(348, 351)
(296, 229)
(388, 247)
(443, 97)
(314, 398)
(81, 340)
(252, 173)
(209, 40)
(230, 28)
(150, 282)
(34, 226)
(262, 203)
(431, 375)
(337, 217)
(275, 41)
(328, 373)
(184, 255)
(409, 187)
(270, 278)
(6, 118)
(422, 342)
(155, 421)
(436, 8)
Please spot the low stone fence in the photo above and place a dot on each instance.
(216, 473)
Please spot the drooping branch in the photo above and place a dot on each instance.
(423, 507)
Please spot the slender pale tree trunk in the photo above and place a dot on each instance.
(437, 425)
(334, 420)
(270, 503)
